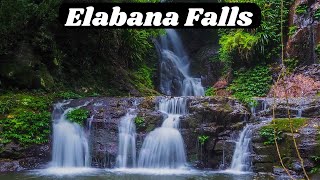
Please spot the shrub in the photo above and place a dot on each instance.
(280, 125)
(254, 82)
(202, 139)
(69, 95)
(318, 49)
(139, 121)
(211, 91)
(26, 127)
(291, 64)
(301, 9)
(78, 115)
(317, 14)
(292, 30)
(268, 134)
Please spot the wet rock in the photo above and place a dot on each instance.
(15, 157)
(215, 117)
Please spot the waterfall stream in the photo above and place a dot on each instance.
(127, 141)
(175, 76)
(241, 156)
(164, 146)
(70, 143)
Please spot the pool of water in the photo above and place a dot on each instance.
(127, 174)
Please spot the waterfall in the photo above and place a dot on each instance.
(175, 77)
(299, 113)
(241, 156)
(164, 146)
(127, 141)
(70, 144)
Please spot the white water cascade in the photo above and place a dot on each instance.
(241, 156)
(164, 146)
(70, 144)
(127, 141)
(175, 76)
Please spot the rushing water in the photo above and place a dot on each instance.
(241, 156)
(164, 146)
(175, 76)
(101, 174)
(70, 144)
(127, 141)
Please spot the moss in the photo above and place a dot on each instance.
(283, 124)
(78, 115)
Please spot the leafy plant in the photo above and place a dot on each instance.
(316, 168)
(291, 64)
(317, 14)
(253, 82)
(301, 9)
(318, 49)
(268, 134)
(263, 42)
(239, 41)
(69, 95)
(5, 105)
(78, 115)
(211, 91)
(202, 139)
(292, 30)
(26, 127)
(139, 121)
(280, 125)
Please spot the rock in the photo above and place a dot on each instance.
(15, 157)
(215, 117)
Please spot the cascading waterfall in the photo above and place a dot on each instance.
(241, 156)
(70, 144)
(175, 77)
(164, 146)
(127, 141)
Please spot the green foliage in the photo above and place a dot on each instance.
(69, 95)
(292, 30)
(280, 125)
(16, 18)
(144, 76)
(254, 82)
(239, 41)
(139, 42)
(211, 91)
(26, 127)
(25, 118)
(139, 121)
(263, 44)
(142, 80)
(291, 64)
(301, 9)
(316, 168)
(202, 139)
(318, 49)
(78, 115)
(268, 134)
(5, 105)
(317, 14)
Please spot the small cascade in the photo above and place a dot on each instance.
(164, 146)
(127, 141)
(299, 113)
(175, 77)
(264, 105)
(241, 156)
(70, 143)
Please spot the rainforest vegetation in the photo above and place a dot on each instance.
(42, 62)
